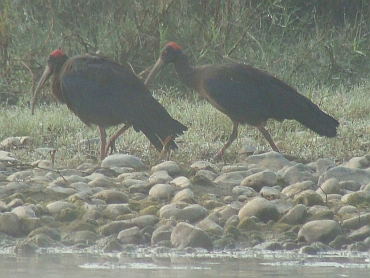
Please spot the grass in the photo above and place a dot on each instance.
(324, 57)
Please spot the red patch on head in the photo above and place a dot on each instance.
(174, 45)
(57, 53)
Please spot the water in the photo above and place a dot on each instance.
(55, 264)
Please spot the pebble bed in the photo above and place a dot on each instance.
(264, 202)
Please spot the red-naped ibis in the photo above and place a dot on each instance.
(102, 92)
(246, 95)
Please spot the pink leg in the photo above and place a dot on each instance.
(232, 137)
(112, 139)
(267, 135)
(103, 141)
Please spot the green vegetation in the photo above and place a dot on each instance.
(320, 48)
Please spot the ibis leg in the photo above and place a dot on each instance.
(112, 139)
(103, 141)
(267, 135)
(232, 137)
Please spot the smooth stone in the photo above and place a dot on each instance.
(122, 160)
(159, 177)
(319, 230)
(56, 207)
(112, 211)
(330, 186)
(191, 213)
(232, 178)
(322, 165)
(348, 209)
(356, 221)
(259, 180)
(162, 233)
(309, 198)
(269, 193)
(350, 185)
(298, 187)
(145, 220)
(81, 187)
(360, 234)
(297, 215)
(60, 190)
(70, 172)
(100, 182)
(204, 165)
(299, 173)
(234, 168)
(204, 177)
(269, 245)
(228, 211)
(70, 179)
(162, 191)
(246, 191)
(16, 186)
(185, 195)
(340, 242)
(115, 227)
(186, 235)
(172, 168)
(366, 187)
(16, 202)
(182, 182)
(346, 174)
(356, 198)
(20, 176)
(261, 208)
(81, 237)
(111, 196)
(210, 227)
(10, 224)
(131, 235)
(358, 162)
(272, 161)
(168, 211)
(24, 212)
(319, 212)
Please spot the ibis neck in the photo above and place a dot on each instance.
(185, 72)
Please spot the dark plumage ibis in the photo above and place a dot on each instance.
(246, 95)
(102, 92)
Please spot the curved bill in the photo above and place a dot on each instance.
(45, 76)
(157, 66)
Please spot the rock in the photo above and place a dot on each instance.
(346, 174)
(111, 196)
(185, 195)
(309, 198)
(322, 165)
(162, 191)
(204, 177)
(348, 209)
(261, 208)
(204, 165)
(259, 180)
(350, 185)
(356, 221)
(191, 213)
(115, 227)
(228, 211)
(162, 233)
(272, 161)
(296, 215)
(210, 227)
(81, 237)
(145, 221)
(232, 178)
(272, 246)
(269, 193)
(358, 247)
(298, 187)
(112, 211)
(10, 224)
(172, 168)
(356, 198)
(360, 234)
(339, 242)
(20, 176)
(246, 191)
(103, 182)
(122, 160)
(330, 186)
(299, 173)
(81, 187)
(24, 212)
(168, 211)
(319, 230)
(318, 212)
(55, 208)
(182, 182)
(358, 162)
(130, 236)
(159, 177)
(186, 235)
